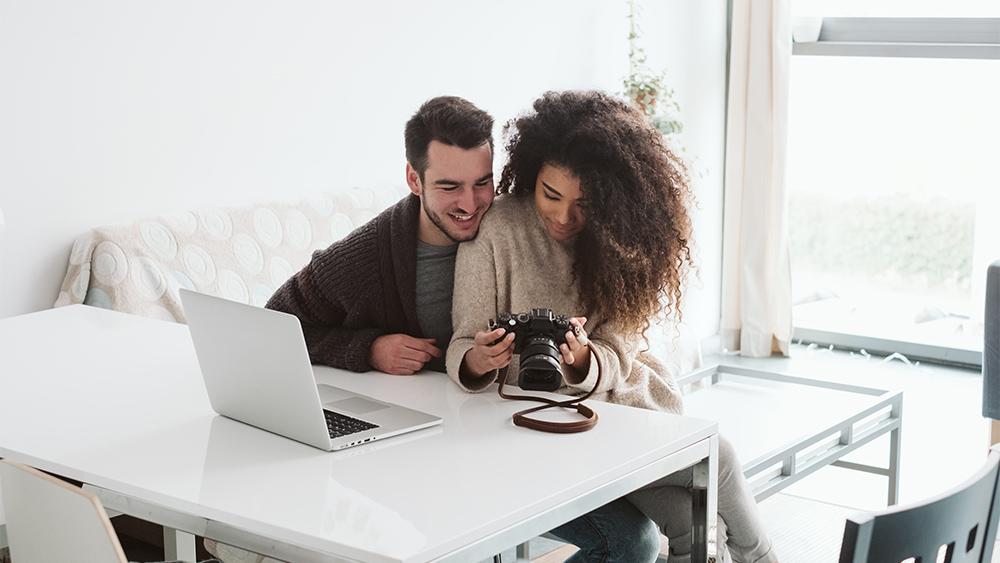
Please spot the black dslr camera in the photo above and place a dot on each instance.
(537, 336)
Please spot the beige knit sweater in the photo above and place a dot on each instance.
(513, 266)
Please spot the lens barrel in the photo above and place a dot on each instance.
(539, 366)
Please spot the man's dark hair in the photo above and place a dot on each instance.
(450, 120)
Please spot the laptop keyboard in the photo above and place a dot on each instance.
(342, 425)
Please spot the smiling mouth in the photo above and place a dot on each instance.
(462, 219)
(561, 230)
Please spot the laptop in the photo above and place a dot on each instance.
(257, 371)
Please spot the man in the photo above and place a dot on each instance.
(381, 297)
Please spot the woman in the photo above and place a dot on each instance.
(596, 224)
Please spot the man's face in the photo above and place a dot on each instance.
(455, 193)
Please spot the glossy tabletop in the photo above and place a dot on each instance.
(118, 401)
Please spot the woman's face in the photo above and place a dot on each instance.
(559, 202)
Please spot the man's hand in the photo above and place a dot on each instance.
(402, 354)
(487, 354)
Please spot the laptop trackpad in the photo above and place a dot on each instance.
(356, 405)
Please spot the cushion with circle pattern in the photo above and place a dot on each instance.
(239, 253)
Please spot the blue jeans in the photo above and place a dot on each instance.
(614, 533)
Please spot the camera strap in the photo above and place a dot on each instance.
(522, 419)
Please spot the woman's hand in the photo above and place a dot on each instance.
(489, 353)
(576, 350)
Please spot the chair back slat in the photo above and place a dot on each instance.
(50, 520)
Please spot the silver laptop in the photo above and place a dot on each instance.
(257, 371)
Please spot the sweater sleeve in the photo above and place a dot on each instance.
(630, 375)
(320, 300)
(612, 356)
(473, 305)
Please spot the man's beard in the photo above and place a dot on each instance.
(436, 219)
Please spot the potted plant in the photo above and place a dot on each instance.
(646, 89)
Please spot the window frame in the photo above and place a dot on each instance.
(941, 38)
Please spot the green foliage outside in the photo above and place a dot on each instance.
(890, 239)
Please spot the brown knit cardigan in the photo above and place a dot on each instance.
(361, 287)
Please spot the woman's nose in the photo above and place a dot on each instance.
(563, 217)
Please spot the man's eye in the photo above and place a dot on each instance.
(484, 183)
(449, 188)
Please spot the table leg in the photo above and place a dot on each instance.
(178, 545)
(704, 497)
(524, 551)
(895, 446)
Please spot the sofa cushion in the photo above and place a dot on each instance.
(239, 253)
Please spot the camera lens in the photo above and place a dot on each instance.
(539, 365)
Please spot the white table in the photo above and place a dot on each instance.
(117, 402)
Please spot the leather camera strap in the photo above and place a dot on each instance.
(522, 419)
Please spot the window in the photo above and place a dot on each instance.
(894, 194)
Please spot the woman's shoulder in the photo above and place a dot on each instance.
(506, 212)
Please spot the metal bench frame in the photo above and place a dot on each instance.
(779, 468)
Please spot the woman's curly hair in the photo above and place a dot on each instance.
(635, 248)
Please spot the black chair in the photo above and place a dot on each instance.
(962, 522)
(991, 351)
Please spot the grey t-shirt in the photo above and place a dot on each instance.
(435, 284)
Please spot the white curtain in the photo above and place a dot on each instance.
(756, 278)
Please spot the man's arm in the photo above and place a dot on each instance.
(322, 318)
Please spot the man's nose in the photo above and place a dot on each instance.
(467, 199)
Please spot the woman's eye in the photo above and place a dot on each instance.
(548, 197)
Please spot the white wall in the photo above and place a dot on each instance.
(112, 110)
(689, 39)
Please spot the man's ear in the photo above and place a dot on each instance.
(413, 180)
